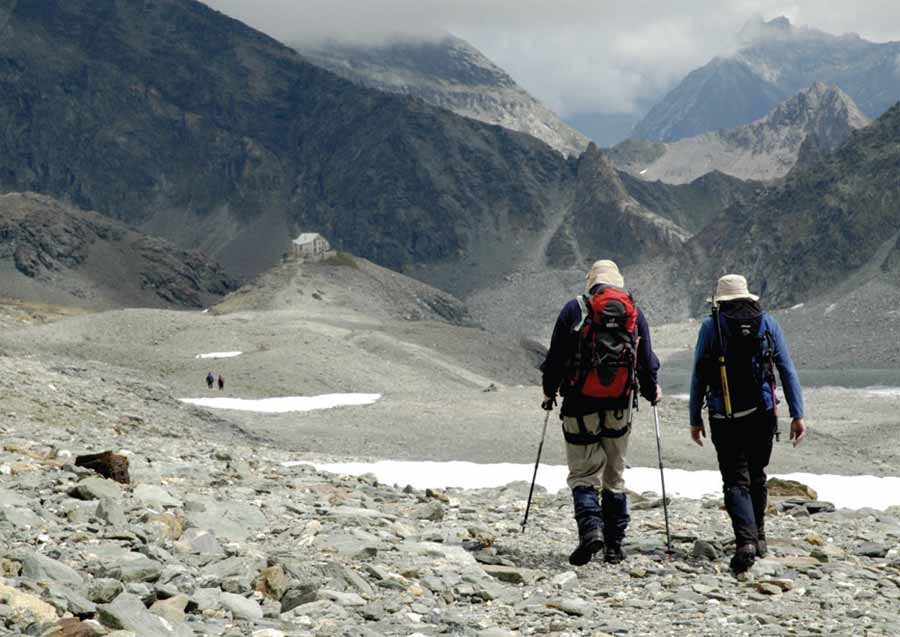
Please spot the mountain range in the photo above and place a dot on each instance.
(776, 60)
(452, 74)
(186, 124)
(812, 123)
(192, 126)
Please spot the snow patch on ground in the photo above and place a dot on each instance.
(219, 355)
(849, 492)
(285, 404)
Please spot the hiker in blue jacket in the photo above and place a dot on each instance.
(596, 435)
(747, 349)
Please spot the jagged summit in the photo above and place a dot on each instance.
(610, 221)
(776, 60)
(808, 125)
(452, 74)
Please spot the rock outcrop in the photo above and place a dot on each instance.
(57, 253)
(607, 220)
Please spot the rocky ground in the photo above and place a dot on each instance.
(216, 536)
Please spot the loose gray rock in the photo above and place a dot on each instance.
(202, 541)
(241, 607)
(39, 567)
(155, 496)
(127, 612)
(112, 512)
(103, 590)
(95, 488)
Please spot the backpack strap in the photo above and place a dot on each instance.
(583, 301)
(584, 437)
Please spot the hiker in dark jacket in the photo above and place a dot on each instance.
(221, 382)
(596, 437)
(210, 379)
(753, 347)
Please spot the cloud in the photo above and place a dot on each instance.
(577, 56)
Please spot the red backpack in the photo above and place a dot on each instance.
(605, 360)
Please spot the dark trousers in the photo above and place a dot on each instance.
(609, 513)
(744, 446)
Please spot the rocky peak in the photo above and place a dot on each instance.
(609, 222)
(819, 106)
(450, 73)
(598, 179)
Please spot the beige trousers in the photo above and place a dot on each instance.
(602, 464)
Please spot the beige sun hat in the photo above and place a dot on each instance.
(606, 272)
(732, 287)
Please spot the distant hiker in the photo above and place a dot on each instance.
(221, 382)
(210, 379)
(738, 350)
(600, 353)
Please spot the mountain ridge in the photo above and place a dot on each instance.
(776, 61)
(808, 125)
(818, 227)
(449, 73)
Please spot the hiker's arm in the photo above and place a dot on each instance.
(554, 365)
(790, 381)
(698, 383)
(647, 363)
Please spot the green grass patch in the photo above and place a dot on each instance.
(341, 259)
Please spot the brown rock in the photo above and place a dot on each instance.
(272, 582)
(779, 488)
(107, 464)
(10, 568)
(71, 627)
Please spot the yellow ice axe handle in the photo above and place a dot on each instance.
(725, 393)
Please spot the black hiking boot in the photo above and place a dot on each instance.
(762, 548)
(613, 554)
(743, 559)
(589, 544)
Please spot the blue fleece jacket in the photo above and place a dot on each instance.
(702, 392)
(563, 345)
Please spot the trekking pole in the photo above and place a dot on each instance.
(723, 374)
(662, 479)
(534, 477)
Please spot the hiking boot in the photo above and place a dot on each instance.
(762, 549)
(589, 543)
(613, 554)
(743, 559)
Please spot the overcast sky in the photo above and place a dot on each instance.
(577, 56)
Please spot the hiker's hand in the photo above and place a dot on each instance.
(798, 430)
(548, 403)
(698, 434)
(658, 397)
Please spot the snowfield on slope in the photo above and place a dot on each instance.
(845, 492)
(285, 404)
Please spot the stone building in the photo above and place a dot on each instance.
(310, 246)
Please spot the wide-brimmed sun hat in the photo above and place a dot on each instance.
(606, 272)
(732, 287)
